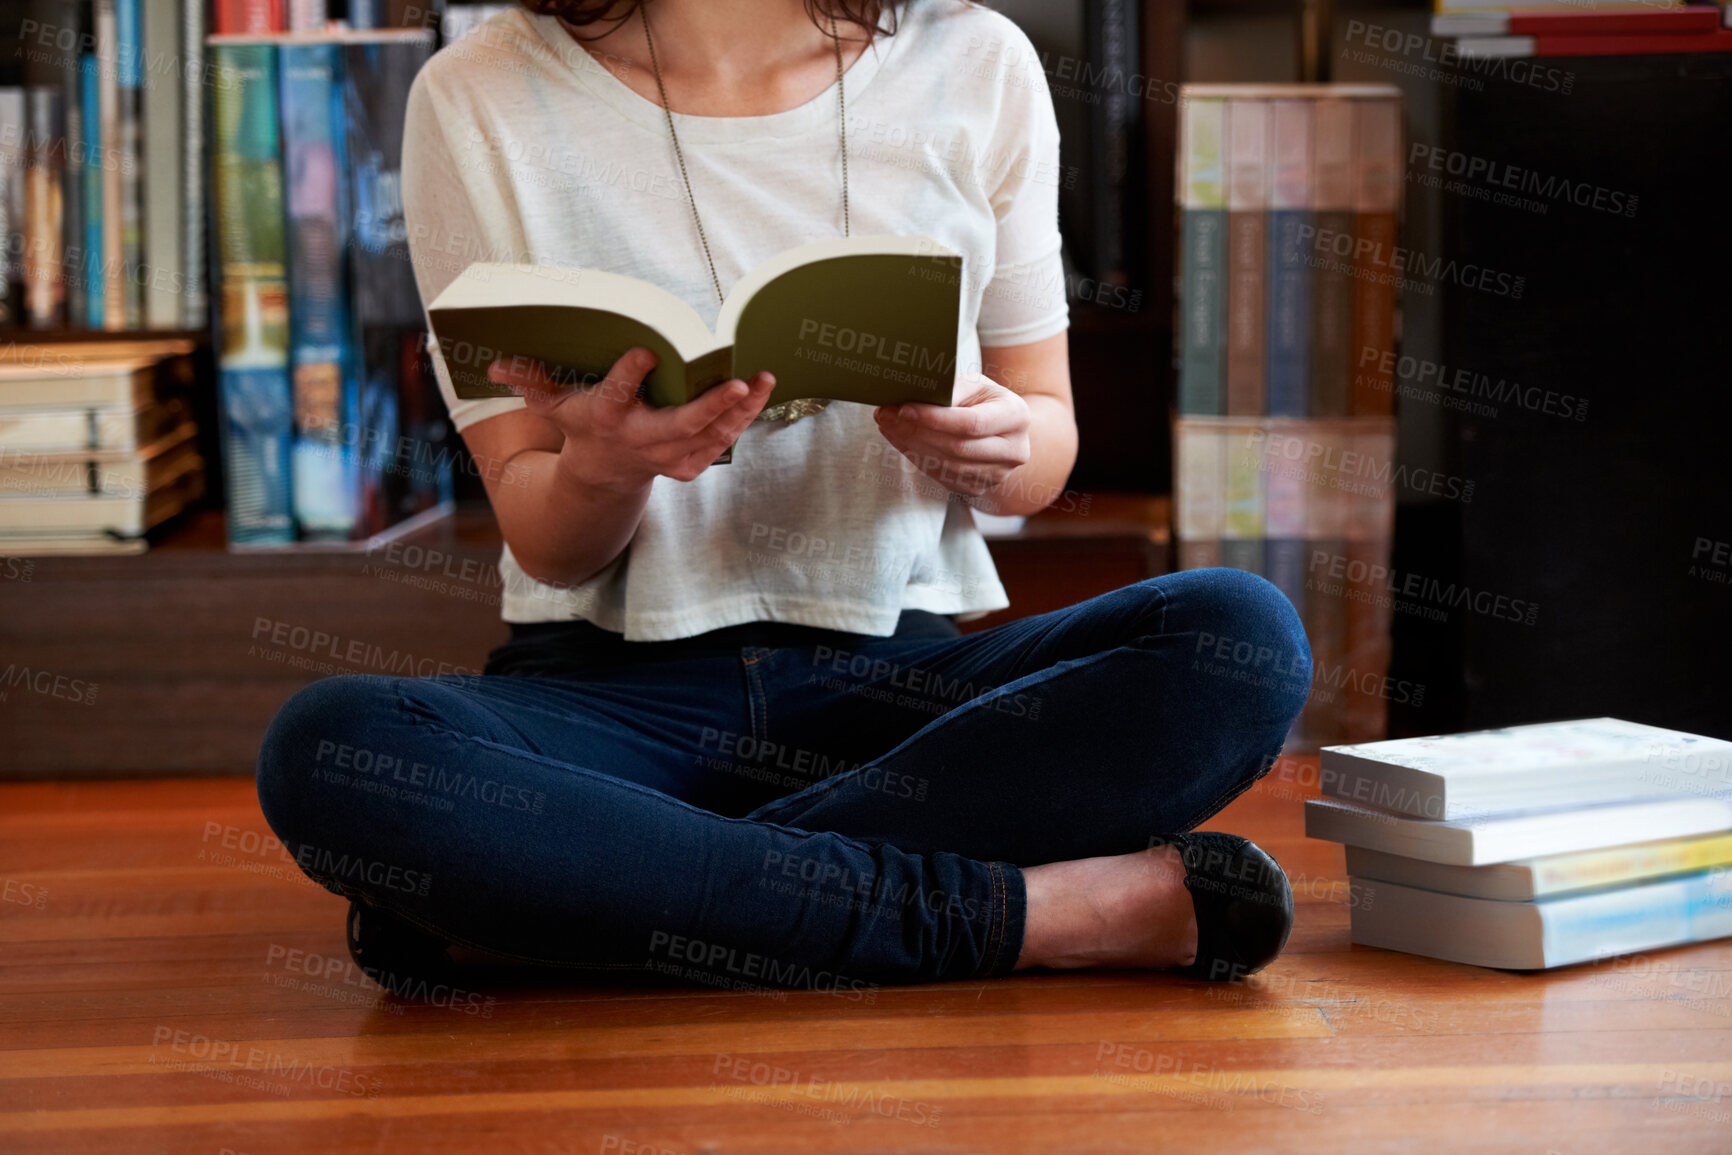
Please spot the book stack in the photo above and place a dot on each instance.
(101, 186)
(1534, 846)
(97, 444)
(1284, 446)
(332, 431)
(1488, 30)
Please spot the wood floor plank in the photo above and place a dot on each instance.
(165, 918)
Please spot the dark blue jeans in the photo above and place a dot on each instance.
(780, 805)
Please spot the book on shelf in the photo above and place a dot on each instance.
(1547, 933)
(95, 161)
(1532, 20)
(1332, 286)
(250, 17)
(110, 179)
(1630, 44)
(12, 167)
(163, 112)
(129, 56)
(97, 444)
(406, 470)
(1290, 223)
(1202, 301)
(1529, 878)
(869, 319)
(326, 481)
(1377, 184)
(253, 356)
(1557, 764)
(1248, 153)
(1575, 6)
(333, 431)
(1111, 223)
(195, 287)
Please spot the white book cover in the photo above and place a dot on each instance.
(1248, 155)
(1201, 468)
(1529, 878)
(1290, 155)
(1555, 764)
(1202, 179)
(1547, 933)
(1506, 837)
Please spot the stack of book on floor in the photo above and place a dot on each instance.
(1534, 846)
(1486, 29)
(97, 445)
(1289, 199)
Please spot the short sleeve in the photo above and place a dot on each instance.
(454, 215)
(1024, 301)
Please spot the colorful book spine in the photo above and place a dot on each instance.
(1290, 224)
(44, 200)
(256, 17)
(72, 212)
(13, 130)
(1377, 179)
(163, 168)
(95, 244)
(1203, 257)
(195, 290)
(1199, 501)
(257, 402)
(129, 30)
(114, 279)
(1332, 281)
(325, 481)
(1242, 522)
(1624, 864)
(1284, 512)
(306, 15)
(1247, 254)
(414, 474)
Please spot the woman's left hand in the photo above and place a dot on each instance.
(970, 447)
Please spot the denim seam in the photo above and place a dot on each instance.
(757, 701)
(995, 936)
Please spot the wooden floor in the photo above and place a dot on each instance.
(155, 995)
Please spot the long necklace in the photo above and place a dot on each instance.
(789, 411)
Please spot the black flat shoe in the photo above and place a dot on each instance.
(1243, 903)
(399, 956)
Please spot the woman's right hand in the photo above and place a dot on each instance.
(614, 440)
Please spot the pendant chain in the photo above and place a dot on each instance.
(842, 132)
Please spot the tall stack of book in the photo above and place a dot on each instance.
(1533, 846)
(1284, 444)
(97, 444)
(331, 427)
(101, 184)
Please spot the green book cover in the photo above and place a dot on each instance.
(873, 320)
(251, 247)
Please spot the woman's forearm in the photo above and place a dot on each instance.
(561, 530)
(1033, 486)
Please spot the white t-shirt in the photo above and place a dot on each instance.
(521, 146)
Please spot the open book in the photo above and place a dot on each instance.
(869, 319)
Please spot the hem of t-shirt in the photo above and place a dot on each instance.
(821, 613)
(1026, 334)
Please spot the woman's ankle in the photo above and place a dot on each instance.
(1127, 910)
